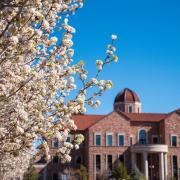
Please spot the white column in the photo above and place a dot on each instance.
(145, 158)
(165, 167)
(133, 161)
(161, 166)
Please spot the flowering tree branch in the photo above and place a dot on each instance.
(38, 77)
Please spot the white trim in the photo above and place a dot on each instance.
(121, 134)
(146, 134)
(95, 139)
(176, 140)
(108, 133)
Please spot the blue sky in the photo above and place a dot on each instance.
(148, 48)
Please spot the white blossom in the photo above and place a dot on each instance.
(113, 37)
(37, 78)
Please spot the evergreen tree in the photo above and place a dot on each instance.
(137, 175)
(120, 172)
(82, 173)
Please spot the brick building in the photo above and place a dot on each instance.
(149, 141)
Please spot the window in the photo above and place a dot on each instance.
(121, 158)
(109, 139)
(98, 163)
(130, 108)
(121, 140)
(78, 160)
(97, 139)
(131, 140)
(121, 108)
(173, 140)
(55, 143)
(68, 139)
(109, 162)
(55, 176)
(55, 159)
(155, 139)
(175, 167)
(138, 110)
(142, 137)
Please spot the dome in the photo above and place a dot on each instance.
(126, 95)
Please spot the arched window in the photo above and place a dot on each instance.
(142, 137)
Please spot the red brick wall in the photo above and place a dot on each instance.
(149, 127)
(115, 124)
(172, 126)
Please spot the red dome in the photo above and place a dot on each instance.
(126, 95)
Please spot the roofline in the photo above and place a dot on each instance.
(101, 119)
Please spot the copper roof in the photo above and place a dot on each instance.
(127, 95)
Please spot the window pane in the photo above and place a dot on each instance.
(121, 140)
(175, 167)
(78, 160)
(129, 109)
(174, 141)
(98, 162)
(121, 108)
(142, 137)
(110, 162)
(131, 141)
(68, 139)
(55, 159)
(121, 158)
(155, 140)
(98, 139)
(55, 143)
(109, 140)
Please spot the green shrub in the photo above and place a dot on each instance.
(31, 174)
(119, 172)
(82, 173)
(137, 175)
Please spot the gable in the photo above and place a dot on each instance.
(112, 120)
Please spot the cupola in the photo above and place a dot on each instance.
(127, 101)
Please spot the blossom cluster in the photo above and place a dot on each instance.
(38, 74)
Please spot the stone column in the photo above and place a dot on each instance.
(145, 160)
(161, 166)
(133, 161)
(165, 167)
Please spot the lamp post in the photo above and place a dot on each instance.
(151, 170)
